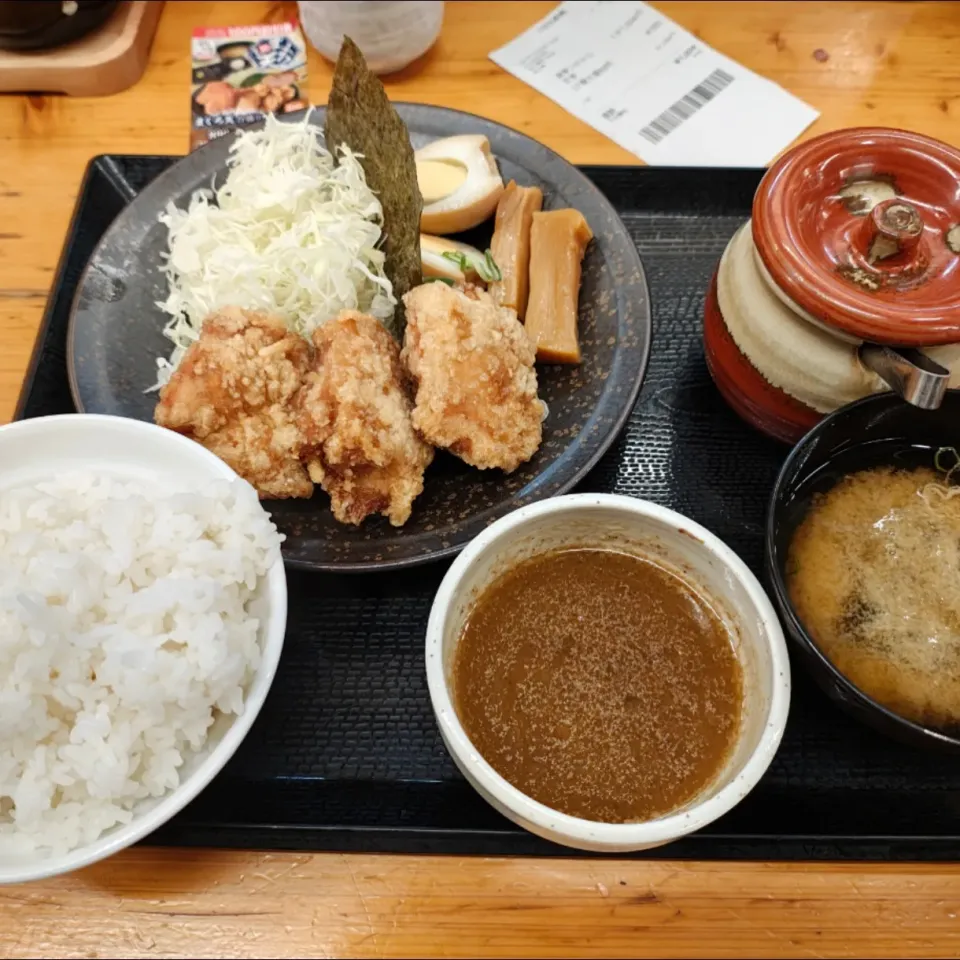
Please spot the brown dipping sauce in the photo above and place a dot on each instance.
(599, 683)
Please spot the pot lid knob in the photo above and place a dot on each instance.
(893, 228)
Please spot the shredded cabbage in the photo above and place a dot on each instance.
(289, 232)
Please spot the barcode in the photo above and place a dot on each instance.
(687, 106)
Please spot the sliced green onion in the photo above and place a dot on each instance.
(491, 268)
(486, 269)
(460, 259)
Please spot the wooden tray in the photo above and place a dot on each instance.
(106, 61)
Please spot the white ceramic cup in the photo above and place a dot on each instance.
(389, 33)
(598, 520)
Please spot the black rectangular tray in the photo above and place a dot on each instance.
(346, 755)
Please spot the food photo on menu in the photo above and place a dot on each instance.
(382, 482)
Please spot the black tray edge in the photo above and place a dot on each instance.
(105, 165)
(440, 842)
(59, 275)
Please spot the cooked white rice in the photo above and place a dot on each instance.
(124, 633)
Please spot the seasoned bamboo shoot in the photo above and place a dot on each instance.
(558, 239)
(510, 246)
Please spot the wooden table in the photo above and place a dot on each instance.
(858, 63)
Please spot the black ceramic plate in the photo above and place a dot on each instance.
(116, 334)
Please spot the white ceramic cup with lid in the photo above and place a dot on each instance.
(598, 520)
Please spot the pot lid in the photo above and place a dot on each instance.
(860, 228)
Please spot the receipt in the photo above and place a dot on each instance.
(653, 87)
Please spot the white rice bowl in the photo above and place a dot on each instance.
(140, 625)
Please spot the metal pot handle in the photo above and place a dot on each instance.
(908, 372)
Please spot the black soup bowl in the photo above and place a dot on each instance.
(881, 430)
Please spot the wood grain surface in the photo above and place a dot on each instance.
(892, 64)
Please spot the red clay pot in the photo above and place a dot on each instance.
(859, 230)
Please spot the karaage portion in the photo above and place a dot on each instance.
(472, 363)
(233, 392)
(358, 439)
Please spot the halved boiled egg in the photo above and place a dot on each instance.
(459, 181)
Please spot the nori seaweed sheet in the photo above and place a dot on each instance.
(360, 116)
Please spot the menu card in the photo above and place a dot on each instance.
(653, 87)
(240, 74)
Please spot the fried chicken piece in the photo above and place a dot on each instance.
(355, 420)
(233, 393)
(472, 363)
